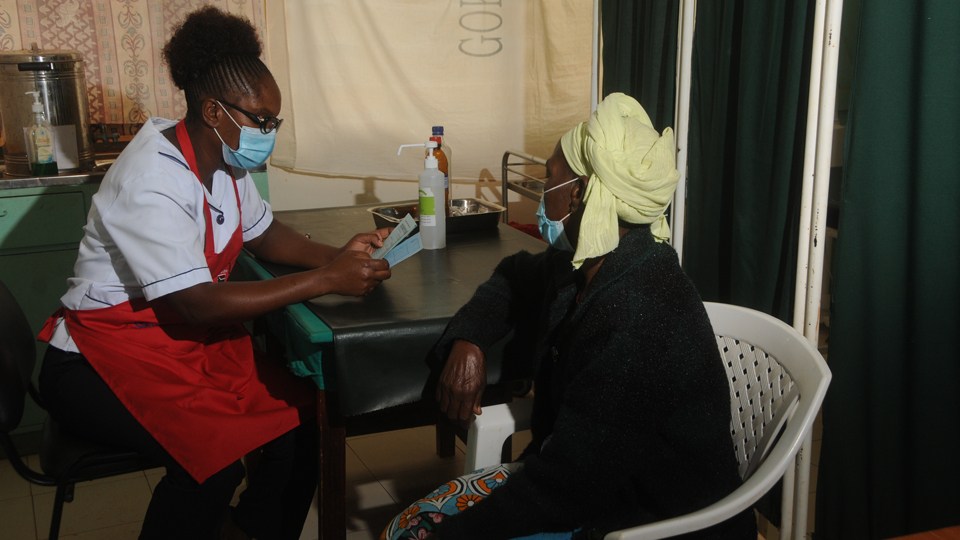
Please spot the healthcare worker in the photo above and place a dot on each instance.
(149, 352)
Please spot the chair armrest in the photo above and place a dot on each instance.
(731, 505)
(765, 477)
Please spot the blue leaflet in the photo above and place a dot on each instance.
(397, 246)
(404, 250)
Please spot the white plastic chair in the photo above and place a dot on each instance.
(777, 383)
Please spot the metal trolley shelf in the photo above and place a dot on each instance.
(515, 177)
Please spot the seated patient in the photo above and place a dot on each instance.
(632, 409)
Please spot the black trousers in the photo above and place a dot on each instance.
(280, 487)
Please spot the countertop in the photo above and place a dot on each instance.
(93, 176)
(63, 179)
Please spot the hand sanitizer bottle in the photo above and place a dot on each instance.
(40, 147)
(433, 222)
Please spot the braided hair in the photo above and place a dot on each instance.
(213, 53)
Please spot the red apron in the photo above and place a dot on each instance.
(197, 390)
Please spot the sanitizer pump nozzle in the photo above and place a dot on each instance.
(433, 224)
(37, 107)
(431, 161)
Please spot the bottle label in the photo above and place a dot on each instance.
(428, 208)
(42, 144)
(44, 152)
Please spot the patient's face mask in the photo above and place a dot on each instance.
(254, 148)
(552, 231)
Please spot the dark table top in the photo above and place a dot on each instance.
(381, 341)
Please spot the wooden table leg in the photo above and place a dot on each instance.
(332, 470)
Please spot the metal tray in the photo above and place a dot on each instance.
(466, 215)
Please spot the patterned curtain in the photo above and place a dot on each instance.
(121, 43)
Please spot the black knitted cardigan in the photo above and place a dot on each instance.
(631, 418)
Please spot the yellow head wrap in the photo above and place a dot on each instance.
(632, 171)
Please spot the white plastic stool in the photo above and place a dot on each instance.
(492, 428)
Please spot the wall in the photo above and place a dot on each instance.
(350, 100)
(121, 41)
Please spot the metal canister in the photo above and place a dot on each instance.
(58, 76)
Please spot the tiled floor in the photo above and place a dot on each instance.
(385, 471)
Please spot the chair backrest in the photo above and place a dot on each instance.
(17, 358)
(763, 356)
(772, 370)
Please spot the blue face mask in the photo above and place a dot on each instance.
(254, 149)
(552, 231)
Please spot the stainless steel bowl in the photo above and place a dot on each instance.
(466, 215)
(466, 207)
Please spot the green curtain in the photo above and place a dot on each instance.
(747, 123)
(640, 53)
(747, 118)
(891, 420)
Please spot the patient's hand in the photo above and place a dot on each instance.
(462, 381)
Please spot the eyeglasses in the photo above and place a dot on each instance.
(267, 124)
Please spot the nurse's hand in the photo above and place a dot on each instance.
(368, 242)
(354, 273)
(462, 381)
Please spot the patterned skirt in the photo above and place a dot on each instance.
(450, 499)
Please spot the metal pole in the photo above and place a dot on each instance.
(816, 186)
(809, 161)
(595, 59)
(821, 188)
(821, 184)
(687, 24)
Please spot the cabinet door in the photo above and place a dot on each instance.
(31, 221)
(38, 281)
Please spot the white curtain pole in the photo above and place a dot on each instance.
(809, 163)
(595, 59)
(826, 58)
(793, 498)
(821, 187)
(681, 122)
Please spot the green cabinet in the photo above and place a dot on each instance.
(40, 229)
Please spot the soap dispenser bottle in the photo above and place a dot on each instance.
(40, 143)
(433, 217)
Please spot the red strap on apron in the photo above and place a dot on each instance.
(221, 270)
